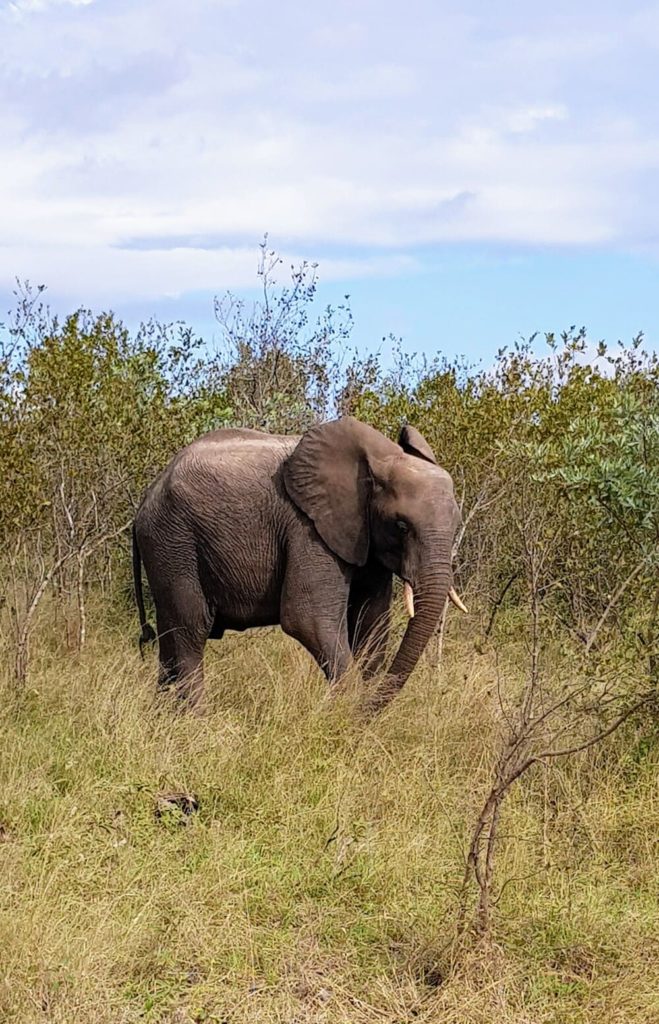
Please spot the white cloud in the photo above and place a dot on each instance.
(526, 119)
(30, 6)
(89, 274)
(146, 147)
(377, 82)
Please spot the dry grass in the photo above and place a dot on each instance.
(318, 880)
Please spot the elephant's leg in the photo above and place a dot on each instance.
(324, 633)
(369, 620)
(184, 623)
(181, 666)
(314, 607)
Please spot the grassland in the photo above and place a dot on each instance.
(319, 878)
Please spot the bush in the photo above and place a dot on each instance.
(555, 459)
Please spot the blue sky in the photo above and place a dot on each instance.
(468, 172)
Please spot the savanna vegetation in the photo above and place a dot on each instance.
(484, 850)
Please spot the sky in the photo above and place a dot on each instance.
(469, 173)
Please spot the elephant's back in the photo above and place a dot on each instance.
(231, 455)
(230, 474)
(234, 473)
(239, 436)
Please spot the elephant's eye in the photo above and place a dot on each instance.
(402, 526)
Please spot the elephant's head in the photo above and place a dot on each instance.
(372, 499)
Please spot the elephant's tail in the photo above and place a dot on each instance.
(148, 634)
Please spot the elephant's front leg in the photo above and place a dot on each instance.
(314, 606)
(369, 617)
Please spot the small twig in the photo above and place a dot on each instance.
(516, 878)
(601, 735)
(479, 505)
(614, 600)
(24, 634)
(651, 635)
(497, 604)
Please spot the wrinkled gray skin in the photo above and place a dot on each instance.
(249, 529)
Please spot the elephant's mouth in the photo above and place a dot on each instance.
(408, 598)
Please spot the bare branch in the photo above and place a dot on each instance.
(499, 601)
(616, 597)
(634, 709)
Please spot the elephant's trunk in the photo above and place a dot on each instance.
(408, 598)
(429, 598)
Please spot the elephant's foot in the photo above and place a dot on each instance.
(190, 696)
(187, 690)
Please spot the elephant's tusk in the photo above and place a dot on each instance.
(408, 597)
(456, 601)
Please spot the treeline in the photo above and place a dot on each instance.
(555, 457)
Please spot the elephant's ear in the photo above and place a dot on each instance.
(414, 443)
(330, 477)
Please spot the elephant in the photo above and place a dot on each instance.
(245, 528)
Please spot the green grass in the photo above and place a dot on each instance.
(319, 879)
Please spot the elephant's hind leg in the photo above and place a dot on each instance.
(181, 668)
(184, 624)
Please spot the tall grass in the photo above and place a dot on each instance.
(319, 879)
